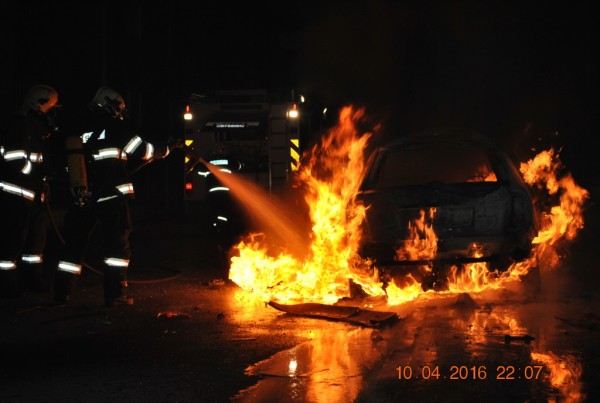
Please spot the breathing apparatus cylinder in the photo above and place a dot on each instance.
(78, 180)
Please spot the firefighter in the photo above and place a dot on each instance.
(224, 214)
(23, 187)
(101, 190)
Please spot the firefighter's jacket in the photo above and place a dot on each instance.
(22, 168)
(109, 143)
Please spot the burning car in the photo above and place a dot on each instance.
(445, 197)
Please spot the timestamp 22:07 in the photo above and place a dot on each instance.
(474, 372)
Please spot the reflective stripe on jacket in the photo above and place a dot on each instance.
(22, 167)
(109, 144)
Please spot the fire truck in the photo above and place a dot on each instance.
(255, 134)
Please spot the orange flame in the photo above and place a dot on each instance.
(422, 241)
(564, 375)
(332, 176)
(565, 219)
(484, 175)
(560, 222)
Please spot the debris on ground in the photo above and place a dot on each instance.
(173, 315)
(350, 314)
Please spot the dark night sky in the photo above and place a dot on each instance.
(515, 71)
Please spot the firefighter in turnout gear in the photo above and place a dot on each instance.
(101, 187)
(23, 221)
(225, 216)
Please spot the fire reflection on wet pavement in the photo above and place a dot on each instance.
(490, 347)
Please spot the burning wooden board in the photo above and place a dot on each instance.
(344, 313)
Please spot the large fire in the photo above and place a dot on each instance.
(331, 177)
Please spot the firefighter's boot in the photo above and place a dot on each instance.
(114, 283)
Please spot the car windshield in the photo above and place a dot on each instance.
(422, 166)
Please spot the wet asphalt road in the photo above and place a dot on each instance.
(498, 347)
(220, 344)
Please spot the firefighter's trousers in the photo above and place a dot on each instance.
(23, 233)
(111, 218)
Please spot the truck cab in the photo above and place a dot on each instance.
(254, 134)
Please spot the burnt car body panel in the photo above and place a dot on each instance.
(478, 195)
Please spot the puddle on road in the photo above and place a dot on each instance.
(328, 368)
(546, 357)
